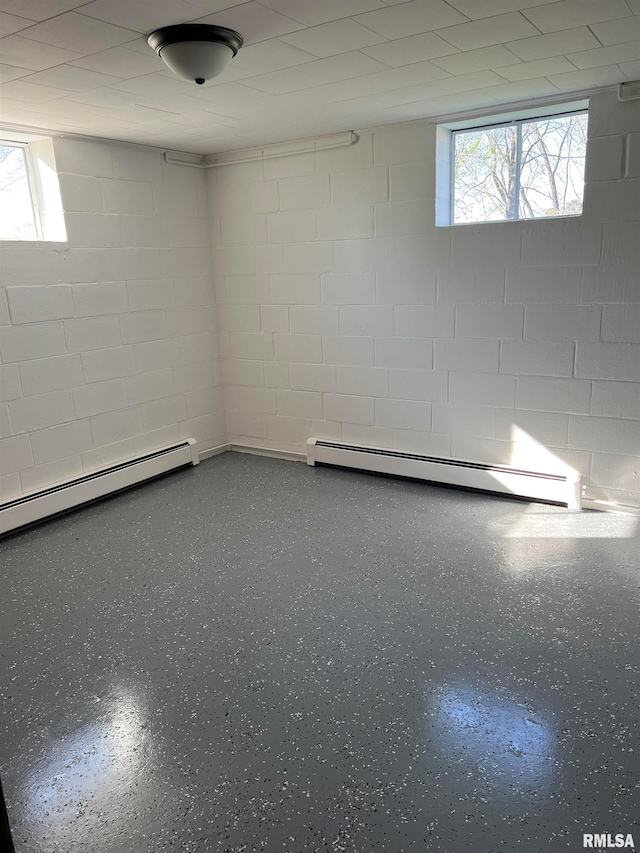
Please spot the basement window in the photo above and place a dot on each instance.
(519, 167)
(19, 216)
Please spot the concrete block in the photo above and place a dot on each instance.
(99, 397)
(116, 426)
(369, 436)
(563, 243)
(90, 300)
(92, 333)
(38, 340)
(363, 381)
(471, 284)
(621, 323)
(149, 386)
(276, 375)
(35, 304)
(251, 345)
(604, 435)
(264, 198)
(632, 165)
(485, 245)
(403, 414)
(252, 424)
(50, 374)
(346, 350)
(247, 289)
(304, 193)
(291, 226)
(312, 377)
(467, 354)
(403, 218)
(244, 230)
(299, 404)
(412, 181)
(240, 372)
(537, 358)
(142, 326)
(550, 394)
(191, 321)
(240, 318)
(615, 399)
(135, 164)
(605, 158)
(288, 167)
(152, 294)
(489, 321)
(15, 455)
(349, 409)
(192, 377)
(93, 230)
(293, 432)
(482, 389)
(247, 399)
(100, 365)
(608, 361)
(84, 158)
(425, 385)
(548, 429)
(612, 201)
(275, 318)
(358, 256)
(366, 320)
(464, 419)
(348, 288)
(346, 222)
(357, 156)
(233, 260)
(302, 289)
(308, 257)
(360, 187)
(411, 353)
(61, 441)
(10, 388)
(133, 197)
(563, 322)
(428, 443)
(164, 412)
(314, 319)
(41, 411)
(560, 284)
(429, 321)
(51, 473)
(408, 144)
(410, 287)
(298, 348)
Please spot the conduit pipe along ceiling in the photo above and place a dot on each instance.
(196, 52)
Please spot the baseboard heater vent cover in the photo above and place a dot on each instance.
(29, 509)
(562, 489)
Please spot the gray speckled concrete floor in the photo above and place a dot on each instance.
(254, 655)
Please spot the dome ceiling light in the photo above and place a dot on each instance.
(196, 52)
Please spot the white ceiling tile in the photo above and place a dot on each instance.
(12, 72)
(25, 53)
(271, 55)
(523, 89)
(537, 68)
(336, 37)
(39, 10)
(629, 52)
(108, 98)
(592, 77)
(311, 13)
(322, 71)
(201, 118)
(417, 16)
(127, 63)
(10, 106)
(476, 9)
(217, 5)
(72, 79)
(489, 31)
(154, 85)
(573, 13)
(143, 15)
(24, 90)
(476, 60)
(12, 24)
(80, 33)
(631, 70)
(254, 22)
(554, 44)
(618, 32)
(634, 5)
(411, 49)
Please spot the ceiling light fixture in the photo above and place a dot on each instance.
(196, 52)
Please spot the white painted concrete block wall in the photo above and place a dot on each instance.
(346, 314)
(109, 341)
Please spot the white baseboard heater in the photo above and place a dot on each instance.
(563, 489)
(29, 509)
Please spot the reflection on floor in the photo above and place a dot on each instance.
(255, 655)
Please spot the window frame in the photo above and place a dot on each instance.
(33, 191)
(445, 154)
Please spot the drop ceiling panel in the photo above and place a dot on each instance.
(307, 66)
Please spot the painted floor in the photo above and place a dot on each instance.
(254, 655)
